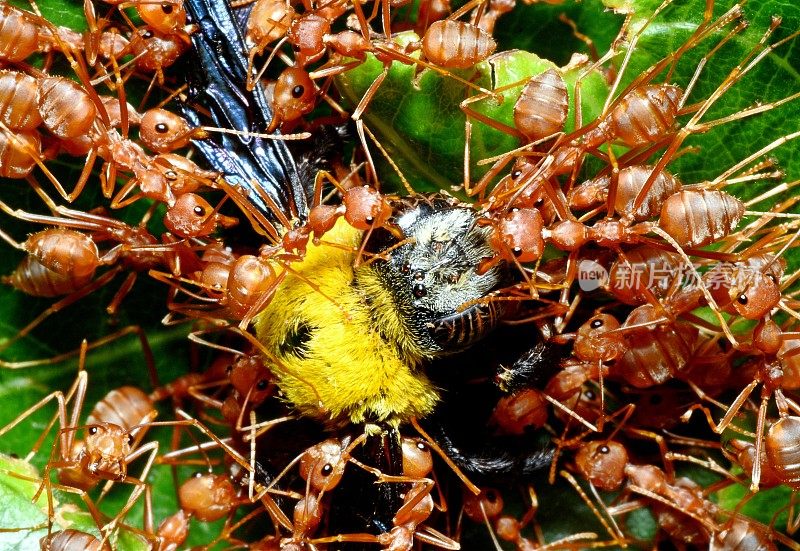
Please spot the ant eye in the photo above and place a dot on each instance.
(596, 323)
(589, 394)
(491, 496)
(171, 175)
(422, 446)
(420, 290)
(262, 384)
(148, 34)
(92, 430)
(130, 439)
(369, 220)
(516, 174)
(198, 474)
(517, 251)
(604, 449)
(199, 211)
(327, 469)
(162, 128)
(298, 91)
(742, 299)
(167, 8)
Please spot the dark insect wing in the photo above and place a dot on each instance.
(259, 167)
(360, 505)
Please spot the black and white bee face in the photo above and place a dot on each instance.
(434, 275)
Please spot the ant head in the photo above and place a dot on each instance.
(489, 502)
(207, 496)
(322, 465)
(163, 131)
(250, 377)
(592, 342)
(518, 235)
(366, 208)
(193, 216)
(603, 463)
(167, 16)
(759, 291)
(249, 280)
(100, 432)
(520, 411)
(417, 458)
(294, 95)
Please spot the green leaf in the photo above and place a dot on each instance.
(763, 507)
(419, 122)
(27, 520)
(19, 481)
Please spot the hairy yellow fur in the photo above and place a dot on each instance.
(357, 360)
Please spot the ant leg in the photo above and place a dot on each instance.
(613, 529)
(61, 304)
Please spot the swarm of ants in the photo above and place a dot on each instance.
(631, 364)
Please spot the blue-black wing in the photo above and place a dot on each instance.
(257, 166)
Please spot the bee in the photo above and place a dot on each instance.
(360, 355)
(354, 351)
(354, 343)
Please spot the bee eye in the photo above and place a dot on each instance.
(405, 268)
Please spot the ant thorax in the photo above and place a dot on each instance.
(434, 277)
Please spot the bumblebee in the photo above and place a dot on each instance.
(354, 351)
(358, 354)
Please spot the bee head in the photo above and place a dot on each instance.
(432, 272)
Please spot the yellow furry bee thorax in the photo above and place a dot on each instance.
(342, 348)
